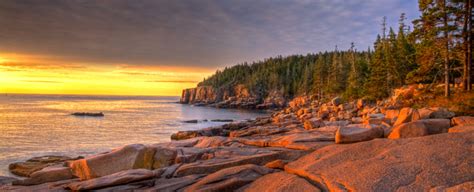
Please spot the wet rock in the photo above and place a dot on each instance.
(222, 120)
(119, 178)
(229, 179)
(358, 132)
(133, 156)
(47, 174)
(85, 114)
(280, 182)
(191, 121)
(462, 120)
(415, 164)
(26, 168)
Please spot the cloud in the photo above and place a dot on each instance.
(204, 33)
(19, 65)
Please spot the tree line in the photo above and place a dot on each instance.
(437, 50)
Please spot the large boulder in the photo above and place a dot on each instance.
(229, 179)
(280, 182)
(415, 164)
(407, 130)
(407, 115)
(358, 132)
(462, 120)
(133, 156)
(420, 128)
(163, 157)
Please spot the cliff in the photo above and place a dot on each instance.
(237, 96)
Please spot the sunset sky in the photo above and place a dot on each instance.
(159, 47)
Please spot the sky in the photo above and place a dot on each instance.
(159, 47)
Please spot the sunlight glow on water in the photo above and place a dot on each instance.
(34, 125)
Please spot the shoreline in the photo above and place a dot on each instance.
(281, 146)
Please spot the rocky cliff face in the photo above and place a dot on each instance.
(237, 96)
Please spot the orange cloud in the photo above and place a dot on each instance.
(36, 74)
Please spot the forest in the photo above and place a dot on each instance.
(436, 49)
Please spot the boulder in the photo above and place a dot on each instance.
(48, 174)
(119, 178)
(280, 182)
(229, 179)
(415, 164)
(133, 156)
(420, 128)
(461, 129)
(407, 130)
(462, 120)
(435, 113)
(313, 123)
(26, 168)
(436, 126)
(407, 115)
(358, 132)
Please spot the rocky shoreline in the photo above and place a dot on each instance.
(307, 146)
(237, 96)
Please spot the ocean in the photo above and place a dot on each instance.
(36, 125)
